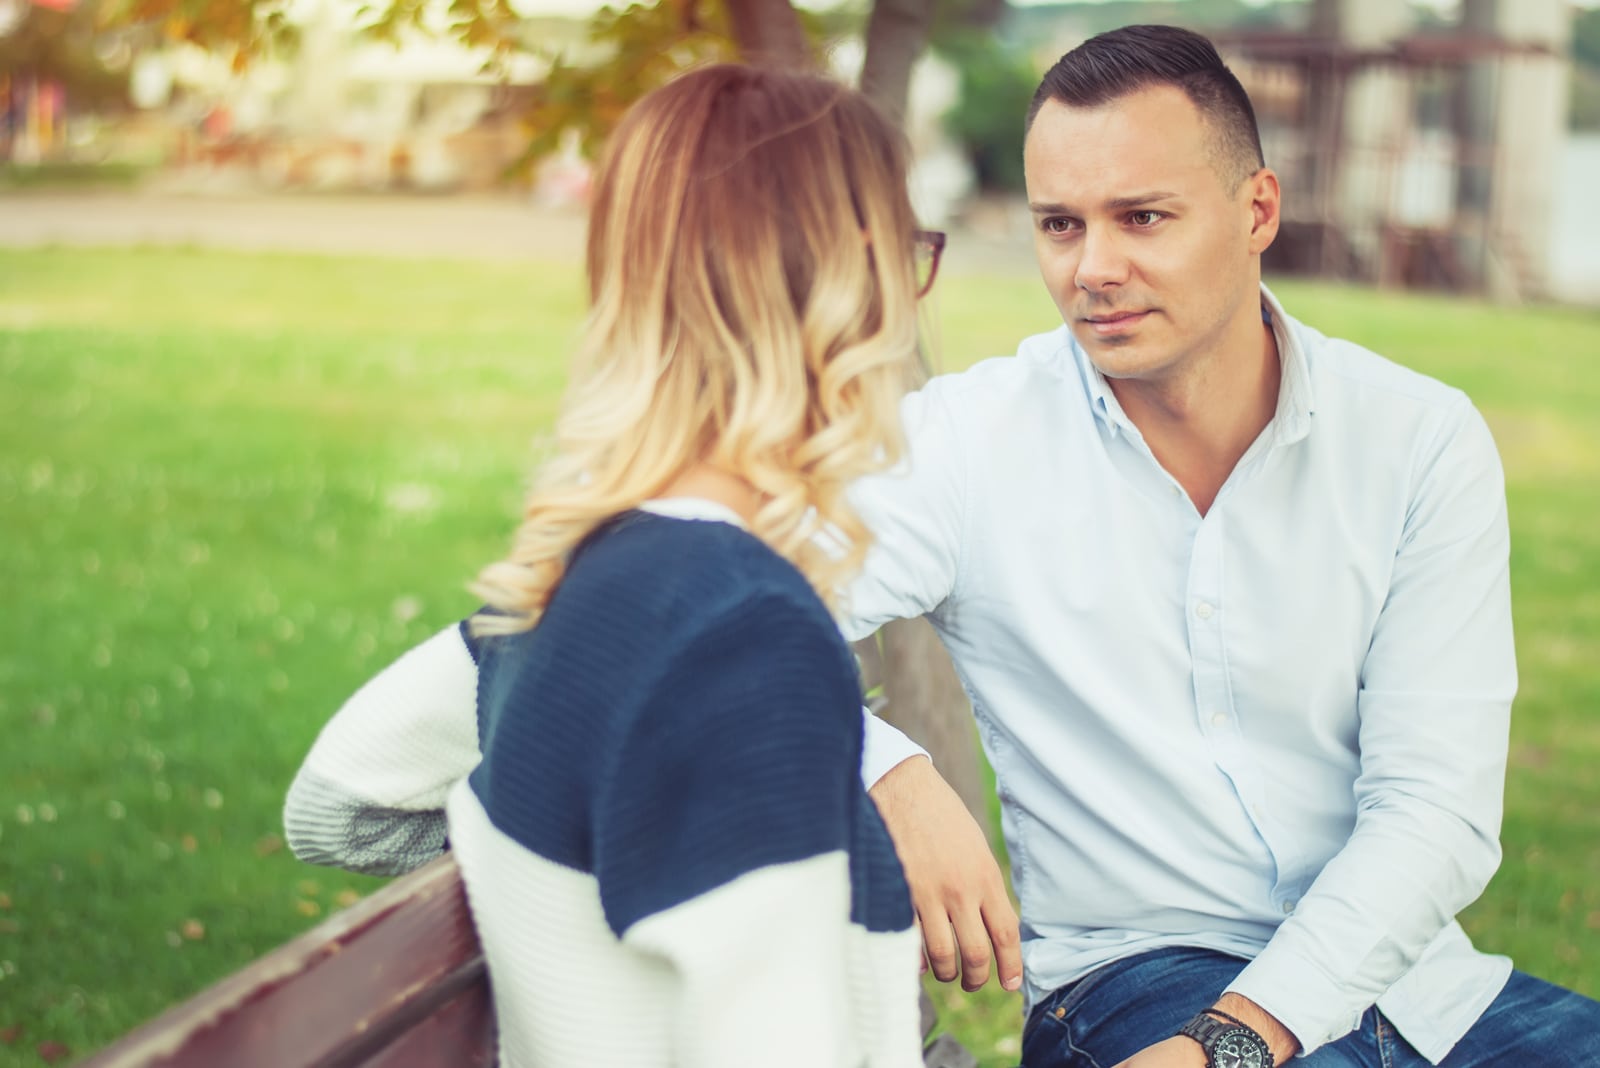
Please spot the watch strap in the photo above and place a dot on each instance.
(1205, 1028)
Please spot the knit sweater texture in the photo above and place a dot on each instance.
(666, 844)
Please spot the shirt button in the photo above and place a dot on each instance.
(1204, 609)
(1219, 720)
(1288, 907)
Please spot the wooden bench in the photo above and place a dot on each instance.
(395, 981)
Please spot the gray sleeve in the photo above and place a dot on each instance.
(327, 824)
(370, 795)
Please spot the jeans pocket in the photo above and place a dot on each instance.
(1059, 1005)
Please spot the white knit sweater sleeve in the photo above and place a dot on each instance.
(370, 795)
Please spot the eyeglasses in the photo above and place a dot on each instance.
(929, 246)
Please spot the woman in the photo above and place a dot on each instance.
(656, 802)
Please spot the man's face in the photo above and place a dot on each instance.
(1149, 256)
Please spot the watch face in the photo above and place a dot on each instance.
(1238, 1049)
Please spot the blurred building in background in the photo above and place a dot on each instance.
(1417, 158)
(1420, 145)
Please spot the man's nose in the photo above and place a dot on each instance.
(1102, 261)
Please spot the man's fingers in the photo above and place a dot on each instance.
(973, 939)
(969, 949)
(939, 943)
(1000, 919)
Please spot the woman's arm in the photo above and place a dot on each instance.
(370, 795)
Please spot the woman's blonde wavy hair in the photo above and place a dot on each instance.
(753, 295)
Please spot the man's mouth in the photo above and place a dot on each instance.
(1114, 322)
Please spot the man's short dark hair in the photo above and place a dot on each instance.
(1113, 64)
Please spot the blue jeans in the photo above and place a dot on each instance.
(1119, 1009)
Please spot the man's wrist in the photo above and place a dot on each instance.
(1279, 1039)
(887, 784)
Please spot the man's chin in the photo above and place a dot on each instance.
(1093, 341)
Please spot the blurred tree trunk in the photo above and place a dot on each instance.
(922, 697)
(921, 694)
(897, 34)
(769, 33)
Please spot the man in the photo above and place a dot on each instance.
(1232, 603)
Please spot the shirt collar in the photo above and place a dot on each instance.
(1296, 401)
(1290, 423)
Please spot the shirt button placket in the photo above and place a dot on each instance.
(1205, 636)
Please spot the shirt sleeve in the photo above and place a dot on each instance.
(916, 514)
(721, 840)
(370, 795)
(1434, 708)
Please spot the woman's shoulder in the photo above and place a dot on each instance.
(691, 573)
(653, 605)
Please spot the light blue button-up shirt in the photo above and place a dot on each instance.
(1277, 730)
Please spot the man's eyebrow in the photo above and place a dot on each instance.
(1124, 203)
(1116, 204)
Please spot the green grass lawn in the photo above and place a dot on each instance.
(233, 487)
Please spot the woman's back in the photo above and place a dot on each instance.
(668, 820)
(667, 847)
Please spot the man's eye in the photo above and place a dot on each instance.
(1057, 225)
(1145, 218)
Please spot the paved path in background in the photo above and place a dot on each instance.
(486, 227)
(472, 227)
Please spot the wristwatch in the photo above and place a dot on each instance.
(1228, 1042)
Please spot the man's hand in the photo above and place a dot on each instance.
(1177, 1052)
(956, 887)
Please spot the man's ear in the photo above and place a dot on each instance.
(1265, 204)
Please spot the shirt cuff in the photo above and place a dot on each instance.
(1298, 994)
(883, 749)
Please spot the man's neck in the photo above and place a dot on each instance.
(1200, 423)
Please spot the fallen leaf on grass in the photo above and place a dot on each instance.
(8, 1035)
(5, 901)
(193, 930)
(1592, 921)
(308, 908)
(346, 898)
(189, 843)
(50, 1052)
(268, 844)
